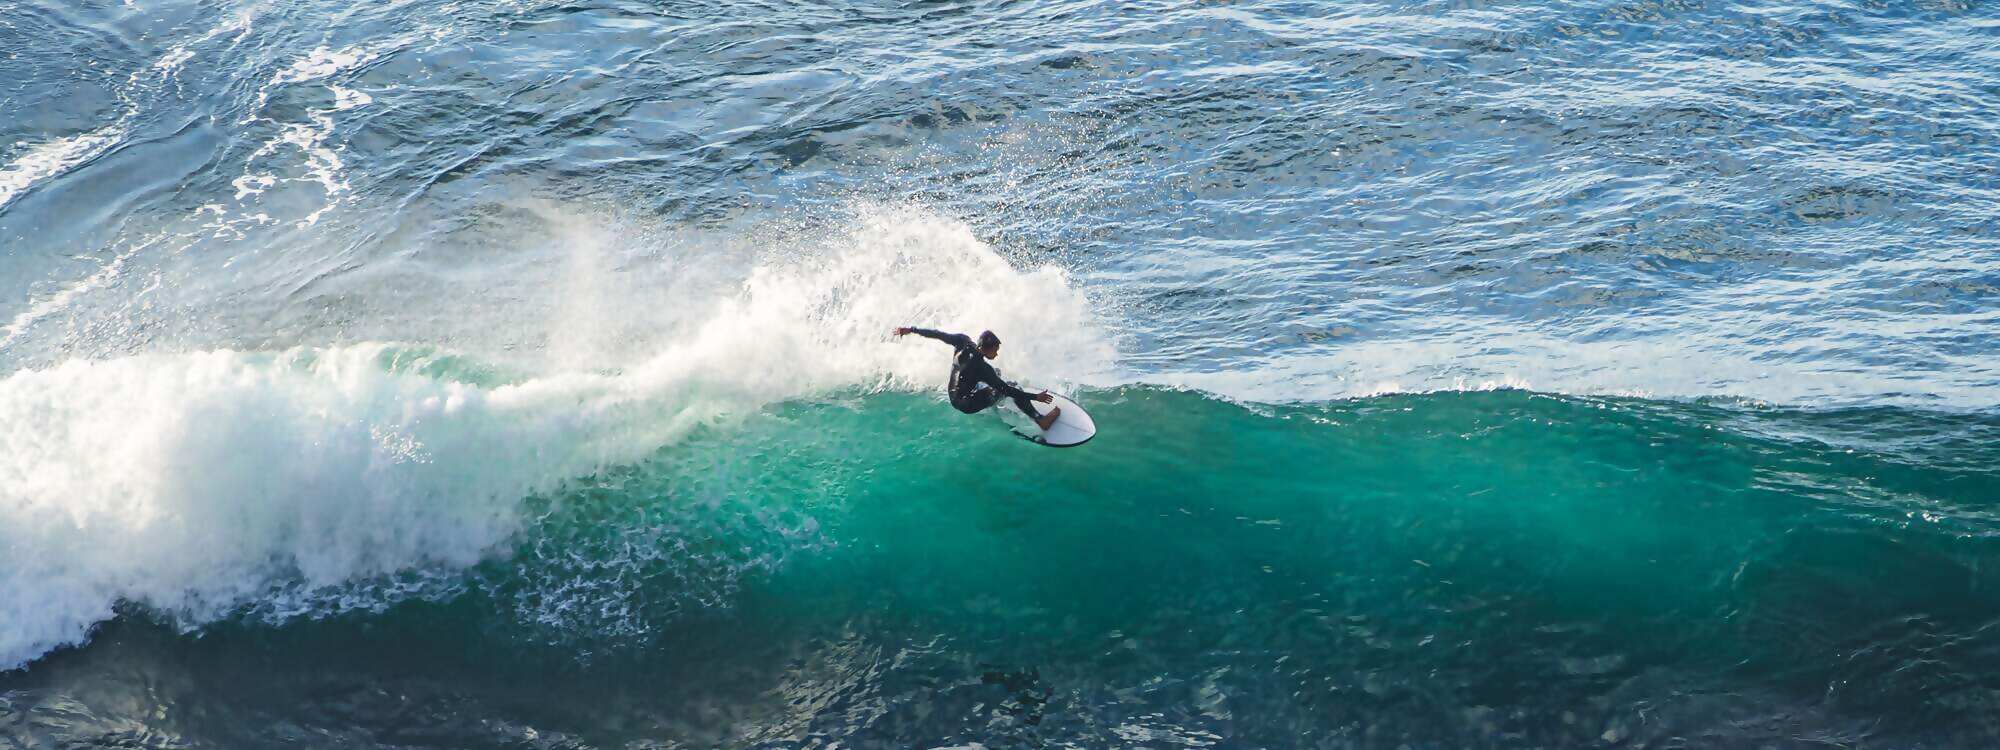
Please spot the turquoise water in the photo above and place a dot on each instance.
(517, 374)
(1449, 569)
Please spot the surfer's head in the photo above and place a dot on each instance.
(989, 344)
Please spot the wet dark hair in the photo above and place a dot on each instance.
(987, 340)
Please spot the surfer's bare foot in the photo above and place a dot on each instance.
(1048, 419)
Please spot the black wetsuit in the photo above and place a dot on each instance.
(969, 370)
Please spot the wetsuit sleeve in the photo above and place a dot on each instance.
(989, 377)
(957, 340)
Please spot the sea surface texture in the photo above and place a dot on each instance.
(515, 373)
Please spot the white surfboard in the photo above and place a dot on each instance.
(1072, 428)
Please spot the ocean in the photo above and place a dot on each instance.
(518, 373)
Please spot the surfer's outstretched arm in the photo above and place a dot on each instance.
(957, 340)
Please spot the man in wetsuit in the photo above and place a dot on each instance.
(974, 384)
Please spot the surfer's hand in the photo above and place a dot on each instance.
(1044, 397)
(900, 331)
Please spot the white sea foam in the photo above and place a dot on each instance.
(55, 303)
(55, 156)
(196, 484)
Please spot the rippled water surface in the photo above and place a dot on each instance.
(515, 373)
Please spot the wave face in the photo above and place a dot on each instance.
(511, 372)
(1443, 568)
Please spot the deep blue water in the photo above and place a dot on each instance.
(516, 373)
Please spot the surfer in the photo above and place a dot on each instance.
(974, 384)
